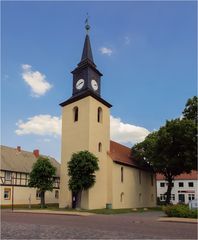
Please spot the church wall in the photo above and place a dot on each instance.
(99, 133)
(75, 138)
(22, 195)
(132, 192)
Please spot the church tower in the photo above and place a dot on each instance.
(86, 126)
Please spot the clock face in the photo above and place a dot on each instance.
(94, 85)
(80, 83)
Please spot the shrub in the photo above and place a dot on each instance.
(179, 211)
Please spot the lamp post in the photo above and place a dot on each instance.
(12, 192)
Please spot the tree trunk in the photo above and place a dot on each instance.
(78, 200)
(169, 189)
(42, 199)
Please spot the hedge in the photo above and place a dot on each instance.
(179, 210)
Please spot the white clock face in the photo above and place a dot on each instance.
(94, 85)
(80, 83)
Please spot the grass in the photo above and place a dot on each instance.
(54, 207)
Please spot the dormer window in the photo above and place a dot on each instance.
(99, 114)
(75, 113)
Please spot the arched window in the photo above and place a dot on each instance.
(122, 174)
(121, 197)
(99, 114)
(75, 112)
(99, 147)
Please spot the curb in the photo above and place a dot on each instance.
(181, 220)
(81, 214)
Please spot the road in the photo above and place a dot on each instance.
(120, 226)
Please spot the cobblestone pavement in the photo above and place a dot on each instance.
(122, 226)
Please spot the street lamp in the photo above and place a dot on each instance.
(12, 192)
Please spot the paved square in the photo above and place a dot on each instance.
(121, 226)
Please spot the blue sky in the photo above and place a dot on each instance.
(146, 51)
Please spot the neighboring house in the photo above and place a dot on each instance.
(184, 188)
(16, 165)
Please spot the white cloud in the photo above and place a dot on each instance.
(126, 133)
(127, 40)
(46, 125)
(105, 50)
(36, 80)
(40, 125)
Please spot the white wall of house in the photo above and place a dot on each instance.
(182, 191)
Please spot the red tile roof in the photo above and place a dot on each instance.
(184, 176)
(122, 155)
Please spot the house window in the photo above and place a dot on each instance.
(122, 174)
(75, 112)
(38, 194)
(162, 197)
(162, 184)
(151, 179)
(191, 197)
(100, 147)
(191, 184)
(99, 114)
(8, 175)
(181, 184)
(57, 194)
(121, 197)
(140, 177)
(7, 193)
(173, 197)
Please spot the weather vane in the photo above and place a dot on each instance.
(87, 26)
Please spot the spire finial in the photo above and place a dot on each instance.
(87, 26)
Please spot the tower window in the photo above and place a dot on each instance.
(75, 112)
(99, 114)
(100, 147)
(122, 174)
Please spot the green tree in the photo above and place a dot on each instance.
(81, 170)
(190, 110)
(169, 151)
(41, 177)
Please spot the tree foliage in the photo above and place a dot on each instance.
(171, 151)
(41, 177)
(81, 170)
(190, 110)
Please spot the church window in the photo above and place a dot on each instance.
(140, 197)
(56, 194)
(151, 179)
(100, 147)
(140, 177)
(122, 174)
(99, 114)
(75, 111)
(121, 197)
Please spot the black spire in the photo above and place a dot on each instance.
(87, 53)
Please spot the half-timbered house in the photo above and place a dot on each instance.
(16, 164)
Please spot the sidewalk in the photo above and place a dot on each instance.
(175, 219)
(45, 211)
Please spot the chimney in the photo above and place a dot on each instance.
(19, 148)
(36, 153)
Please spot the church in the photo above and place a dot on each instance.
(120, 181)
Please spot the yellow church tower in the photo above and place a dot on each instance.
(86, 126)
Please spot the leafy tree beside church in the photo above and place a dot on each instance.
(172, 150)
(81, 170)
(41, 177)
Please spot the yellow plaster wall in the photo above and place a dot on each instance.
(85, 134)
(131, 188)
(22, 195)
